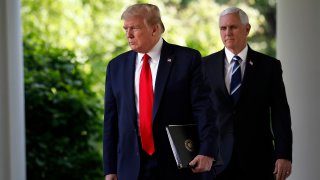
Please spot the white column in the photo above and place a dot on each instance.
(298, 48)
(12, 127)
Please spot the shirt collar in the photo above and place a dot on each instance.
(155, 52)
(242, 54)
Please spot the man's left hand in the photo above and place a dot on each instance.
(282, 169)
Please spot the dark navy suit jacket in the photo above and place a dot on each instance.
(258, 127)
(180, 97)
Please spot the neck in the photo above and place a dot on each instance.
(236, 51)
(154, 42)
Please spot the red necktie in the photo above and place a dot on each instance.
(145, 106)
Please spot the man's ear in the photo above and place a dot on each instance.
(248, 27)
(155, 29)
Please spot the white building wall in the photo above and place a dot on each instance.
(12, 129)
(298, 48)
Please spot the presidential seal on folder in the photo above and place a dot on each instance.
(184, 143)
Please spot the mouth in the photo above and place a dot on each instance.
(228, 40)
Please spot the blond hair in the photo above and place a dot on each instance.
(149, 12)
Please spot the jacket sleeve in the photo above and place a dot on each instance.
(280, 115)
(203, 112)
(110, 129)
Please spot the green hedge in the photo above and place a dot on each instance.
(63, 116)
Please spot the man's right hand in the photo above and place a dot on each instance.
(111, 177)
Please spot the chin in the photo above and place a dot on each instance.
(133, 48)
(229, 45)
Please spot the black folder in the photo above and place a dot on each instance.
(184, 143)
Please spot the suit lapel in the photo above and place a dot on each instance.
(166, 60)
(216, 72)
(248, 70)
(221, 73)
(129, 79)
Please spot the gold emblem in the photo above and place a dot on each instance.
(189, 145)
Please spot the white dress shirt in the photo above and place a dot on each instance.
(154, 55)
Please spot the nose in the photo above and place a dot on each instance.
(129, 33)
(228, 31)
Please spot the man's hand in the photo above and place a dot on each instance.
(111, 177)
(282, 169)
(201, 163)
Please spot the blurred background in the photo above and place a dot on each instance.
(67, 46)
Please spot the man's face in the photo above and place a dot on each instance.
(233, 33)
(139, 34)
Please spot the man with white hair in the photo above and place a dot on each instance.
(248, 94)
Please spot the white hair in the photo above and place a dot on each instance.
(243, 16)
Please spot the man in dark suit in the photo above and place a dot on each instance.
(135, 143)
(248, 94)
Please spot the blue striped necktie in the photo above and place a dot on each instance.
(235, 84)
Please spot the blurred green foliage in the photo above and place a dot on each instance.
(67, 45)
(63, 115)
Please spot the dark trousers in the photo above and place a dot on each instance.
(234, 171)
(148, 167)
(152, 169)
